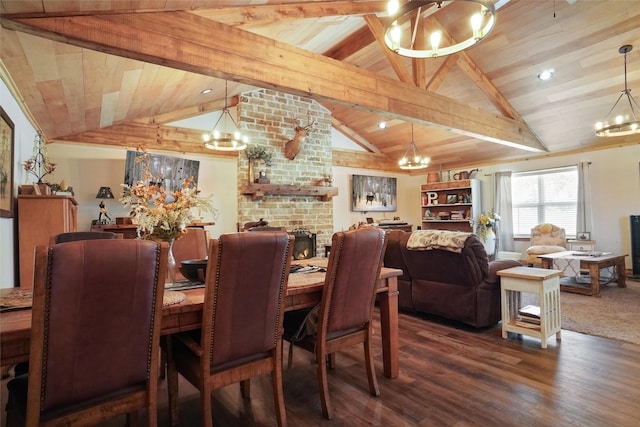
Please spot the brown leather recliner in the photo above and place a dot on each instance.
(459, 286)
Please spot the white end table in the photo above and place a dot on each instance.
(540, 281)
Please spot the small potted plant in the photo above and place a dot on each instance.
(258, 155)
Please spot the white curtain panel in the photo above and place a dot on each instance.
(583, 222)
(503, 208)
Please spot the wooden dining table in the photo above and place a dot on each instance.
(303, 290)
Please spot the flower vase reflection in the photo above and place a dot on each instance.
(171, 264)
(489, 242)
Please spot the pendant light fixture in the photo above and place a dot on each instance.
(624, 116)
(406, 36)
(221, 138)
(412, 159)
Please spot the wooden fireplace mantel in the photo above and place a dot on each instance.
(258, 191)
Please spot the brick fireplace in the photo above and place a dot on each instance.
(269, 118)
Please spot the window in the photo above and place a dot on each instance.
(545, 196)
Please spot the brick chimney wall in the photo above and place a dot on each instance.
(269, 118)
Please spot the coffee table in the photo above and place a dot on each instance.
(589, 261)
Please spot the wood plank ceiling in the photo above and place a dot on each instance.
(98, 72)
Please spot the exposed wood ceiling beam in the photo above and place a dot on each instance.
(471, 69)
(148, 136)
(360, 159)
(278, 12)
(359, 140)
(278, 66)
(186, 113)
(377, 29)
(352, 44)
(441, 73)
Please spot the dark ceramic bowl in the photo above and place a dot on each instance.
(189, 269)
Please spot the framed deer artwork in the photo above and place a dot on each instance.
(373, 193)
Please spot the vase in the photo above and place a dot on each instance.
(489, 242)
(171, 264)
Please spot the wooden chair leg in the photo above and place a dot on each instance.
(163, 356)
(278, 394)
(172, 384)
(245, 388)
(290, 358)
(205, 403)
(324, 386)
(371, 372)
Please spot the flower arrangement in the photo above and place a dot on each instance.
(259, 152)
(159, 213)
(485, 222)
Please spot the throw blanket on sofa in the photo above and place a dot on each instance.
(424, 240)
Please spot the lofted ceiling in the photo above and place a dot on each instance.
(115, 72)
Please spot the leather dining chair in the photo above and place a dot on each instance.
(246, 280)
(71, 236)
(96, 318)
(344, 313)
(74, 236)
(191, 245)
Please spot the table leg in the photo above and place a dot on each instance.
(389, 328)
(594, 272)
(620, 271)
(546, 263)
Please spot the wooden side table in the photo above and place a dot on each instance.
(542, 282)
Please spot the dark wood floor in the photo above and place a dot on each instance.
(449, 376)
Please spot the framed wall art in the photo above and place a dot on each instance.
(171, 171)
(6, 165)
(584, 235)
(373, 194)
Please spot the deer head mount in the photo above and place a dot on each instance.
(293, 146)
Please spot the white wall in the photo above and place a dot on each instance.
(24, 134)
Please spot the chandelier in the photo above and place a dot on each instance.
(407, 32)
(222, 139)
(412, 159)
(623, 119)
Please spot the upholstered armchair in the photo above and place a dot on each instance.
(545, 239)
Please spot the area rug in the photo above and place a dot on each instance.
(615, 315)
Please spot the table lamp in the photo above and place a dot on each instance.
(104, 193)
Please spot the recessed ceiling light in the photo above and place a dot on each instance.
(546, 75)
(382, 125)
(206, 91)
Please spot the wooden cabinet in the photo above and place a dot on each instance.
(450, 205)
(39, 218)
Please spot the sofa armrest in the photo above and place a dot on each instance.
(497, 265)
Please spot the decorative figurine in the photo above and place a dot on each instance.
(103, 211)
